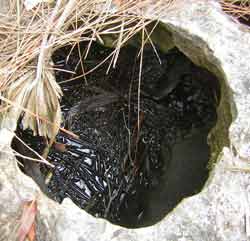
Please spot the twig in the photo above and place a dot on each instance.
(35, 152)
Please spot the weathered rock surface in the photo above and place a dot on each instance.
(4, 6)
(221, 211)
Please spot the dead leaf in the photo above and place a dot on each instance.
(41, 99)
(60, 146)
(27, 222)
(32, 233)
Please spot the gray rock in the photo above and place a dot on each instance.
(4, 6)
(221, 211)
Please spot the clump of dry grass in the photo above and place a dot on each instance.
(240, 9)
(28, 88)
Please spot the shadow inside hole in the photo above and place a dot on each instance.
(133, 176)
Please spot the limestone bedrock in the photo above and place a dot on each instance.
(221, 211)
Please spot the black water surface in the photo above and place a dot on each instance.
(132, 176)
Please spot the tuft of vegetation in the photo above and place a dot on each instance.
(239, 9)
(28, 38)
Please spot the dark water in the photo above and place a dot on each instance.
(130, 175)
